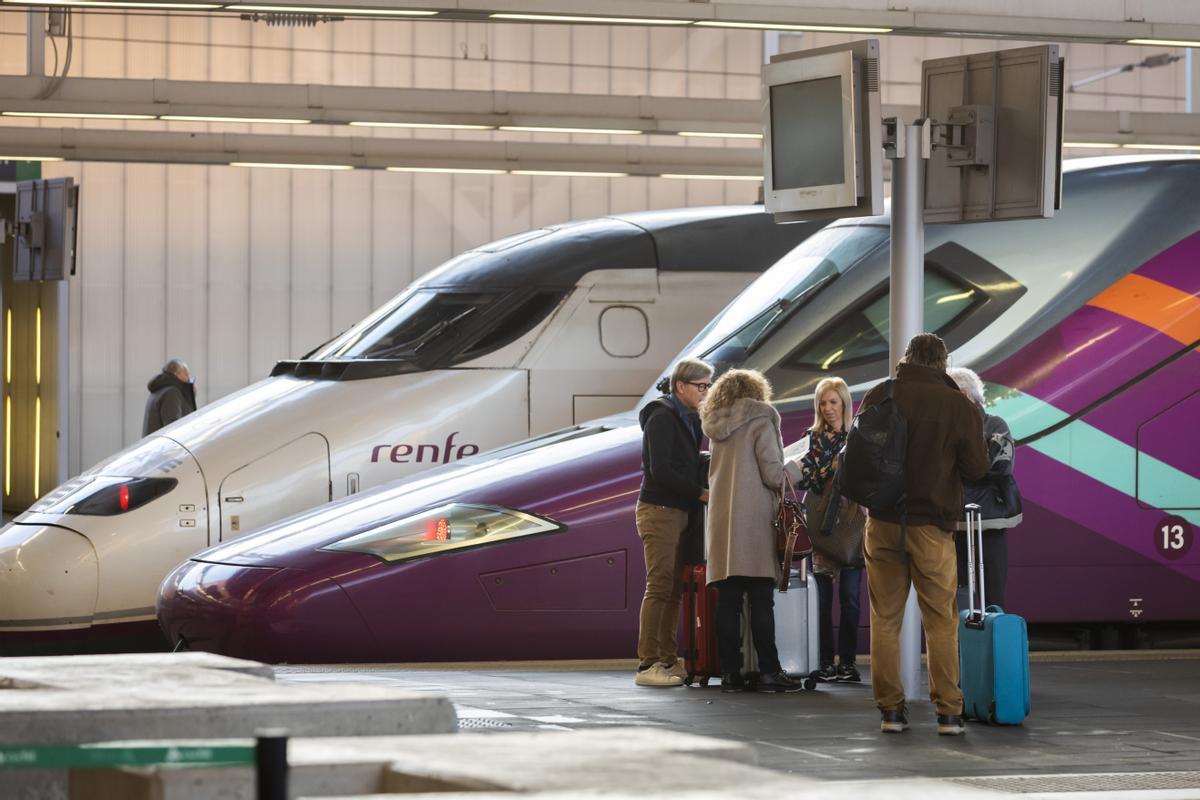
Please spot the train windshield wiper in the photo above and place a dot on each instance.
(784, 309)
(414, 345)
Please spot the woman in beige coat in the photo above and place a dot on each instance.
(745, 479)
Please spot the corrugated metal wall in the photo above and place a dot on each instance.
(232, 269)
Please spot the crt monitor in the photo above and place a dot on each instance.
(822, 122)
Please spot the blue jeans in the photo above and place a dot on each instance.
(849, 581)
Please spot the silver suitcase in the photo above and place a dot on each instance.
(797, 627)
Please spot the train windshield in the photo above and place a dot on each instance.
(781, 291)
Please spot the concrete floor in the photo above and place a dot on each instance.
(1093, 717)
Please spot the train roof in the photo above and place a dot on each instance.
(712, 239)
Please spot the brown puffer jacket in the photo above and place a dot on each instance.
(945, 445)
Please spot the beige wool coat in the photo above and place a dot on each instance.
(744, 481)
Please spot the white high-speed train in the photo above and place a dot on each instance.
(519, 337)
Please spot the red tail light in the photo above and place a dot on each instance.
(123, 497)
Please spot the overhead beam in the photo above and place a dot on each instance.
(341, 105)
(350, 104)
(1057, 20)
(75, 144)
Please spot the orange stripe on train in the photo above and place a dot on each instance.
(1166, 309)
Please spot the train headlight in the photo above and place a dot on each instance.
(447, 528)
(109, 496)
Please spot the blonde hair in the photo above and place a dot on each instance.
(843, 391)
(733, 386)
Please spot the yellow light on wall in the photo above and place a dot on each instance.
(38, 344)
(8, 347)
(37, 448)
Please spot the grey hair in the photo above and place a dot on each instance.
(689, 369)
(175, 366)
(969, 382)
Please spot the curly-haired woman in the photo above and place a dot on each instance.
(745, 479)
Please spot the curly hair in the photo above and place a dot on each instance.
(733, 386)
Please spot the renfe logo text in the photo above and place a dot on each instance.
(424, 453)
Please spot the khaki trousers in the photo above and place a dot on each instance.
(931, 568)
(661, 529)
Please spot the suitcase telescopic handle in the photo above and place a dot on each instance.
(974, 535)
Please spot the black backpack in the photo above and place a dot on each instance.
(872, 466)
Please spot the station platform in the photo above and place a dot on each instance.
(1105, 724)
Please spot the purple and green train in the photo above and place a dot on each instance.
(1085, 329)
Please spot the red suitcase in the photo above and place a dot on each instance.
(700, 656)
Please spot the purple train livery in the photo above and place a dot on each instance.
(1085, 329)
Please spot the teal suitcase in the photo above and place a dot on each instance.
(993, 648)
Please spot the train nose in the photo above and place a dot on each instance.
(262, 613)
(48, 579)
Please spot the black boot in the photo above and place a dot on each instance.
(778, 682)
(733, 682)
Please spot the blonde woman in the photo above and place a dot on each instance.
(745, 479)
(827, 436)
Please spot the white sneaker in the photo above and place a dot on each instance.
(657, 675)
(678, 669)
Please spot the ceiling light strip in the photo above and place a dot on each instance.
(569, 173)
(1165, 42)
(379, 12)
(548, 129)
(273, 165)
(75, 115)
(416, 125)
(719, 135)
(685, 177)
(449, 170)
(248, 120)
(30, 158)
(783, 26)
(1188, 147)
(129, 4)
(583, 19)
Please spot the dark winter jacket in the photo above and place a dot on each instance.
(169, 400)
(997, 495)
(673, 471)
(945, 445)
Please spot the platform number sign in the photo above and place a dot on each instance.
(1173, 537)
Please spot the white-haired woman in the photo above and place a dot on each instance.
(996, 494)
(827, 436)
(745, 479)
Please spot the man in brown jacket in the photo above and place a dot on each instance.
(945, 447)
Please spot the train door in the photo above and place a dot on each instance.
(614, 338)
(281, 483)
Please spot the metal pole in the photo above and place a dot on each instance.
(35, 44)
(1192, 81)
(907, 320)
(271, 764)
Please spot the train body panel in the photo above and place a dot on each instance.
(516, 338)
(1084, 328)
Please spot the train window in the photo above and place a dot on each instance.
(862, 334)
(426, 316)
(448, 528)
(624, 331)
(790, 284)
(520, 319)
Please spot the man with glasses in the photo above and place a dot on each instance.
(673, 484)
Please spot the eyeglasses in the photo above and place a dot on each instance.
(701, 385)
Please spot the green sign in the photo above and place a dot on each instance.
(124, 755)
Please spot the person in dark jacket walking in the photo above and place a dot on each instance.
(915, 547)
(172, 396)
(997, 496)
(673, 484)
